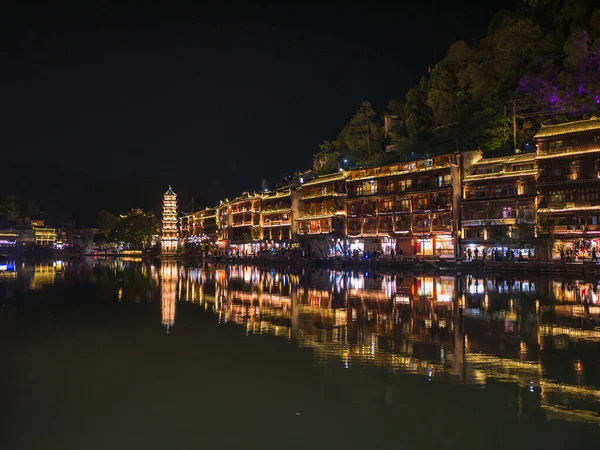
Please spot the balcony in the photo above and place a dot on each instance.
(568, 151)
(421, 207)
(564, 229)
(242, 224)
(442, 227)
(276, 223)
(369, 211)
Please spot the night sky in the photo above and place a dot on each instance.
(104, 107)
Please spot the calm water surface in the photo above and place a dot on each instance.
(114, 354)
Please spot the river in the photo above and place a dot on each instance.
(121, 354)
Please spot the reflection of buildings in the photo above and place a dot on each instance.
(44, 274)
(469, 329)
(168, 292)
(8, 270)
(35, 276)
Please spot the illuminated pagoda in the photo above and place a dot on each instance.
(170, 233)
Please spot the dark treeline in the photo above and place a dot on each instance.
(539, 64)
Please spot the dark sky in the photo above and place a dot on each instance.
(103, 107)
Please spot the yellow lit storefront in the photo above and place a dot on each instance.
(427, 245)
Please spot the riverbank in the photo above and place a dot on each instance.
(586, 268)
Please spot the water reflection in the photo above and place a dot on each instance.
(168, 292)
(540, 334)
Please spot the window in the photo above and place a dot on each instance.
(421, 223)
(404, 185)
(478, 192)
(424, 183)
(369, 187)
(441, 221)
(508, 213)
(421, 202)
(442, 201)
(505, 191)
(354, 226)
(385, 223)
(401, 205)
(369, 207)
(386, 205)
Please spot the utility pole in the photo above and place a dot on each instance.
(515, 125)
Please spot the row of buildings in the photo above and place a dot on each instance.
(27, 233)
(439, 206)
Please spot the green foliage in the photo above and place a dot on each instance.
(9, 207)
(133, 229)
(488, 131)
(543, 58)
(361, 137)
(326, 159)
(106, 222)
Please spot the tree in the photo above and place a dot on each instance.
(489, 131)
(361, 137)
(326, 159)
(9, 207)
(106, 222)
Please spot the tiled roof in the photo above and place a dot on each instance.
(485, 176)
(570, 209)
(326, 178)
(564, 154)
(511, 159)
(170, 191)
(277, 194)
(569, 127)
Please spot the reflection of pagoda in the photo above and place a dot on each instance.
(170, 233)
(168, 292)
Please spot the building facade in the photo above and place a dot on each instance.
(199, 227)
(409, 207)
(322, 226)
(568, 161)
(278, 213)
(435, 207)
(498, 206)
(244, 228)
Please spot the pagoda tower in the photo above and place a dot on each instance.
(170, 232)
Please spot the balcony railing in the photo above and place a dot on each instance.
(276, 223)
(490, 222)
(582, 148)
(441, 227)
